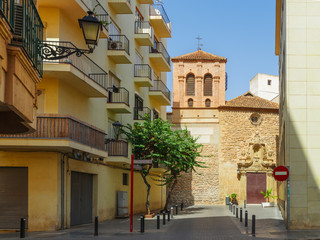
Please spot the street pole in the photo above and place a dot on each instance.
(131, 196)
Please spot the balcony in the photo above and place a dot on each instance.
(143, 75)
(160, 92)
(160, 58)
(121, 6)
(59, 133)
(145, 1)
(117, 151)
(118, 49)
(80, 72)
(118, 100)
(101, 14)
(140, 112)
(160, 21)
(143, 33)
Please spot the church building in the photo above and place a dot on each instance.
(239, 137)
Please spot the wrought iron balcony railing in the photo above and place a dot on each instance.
(99, 11)
(83, 63)
(142, 70)
(158, 85)
(118, 42)
(141, 112)
(158, 10)
(143, 27)
(159, 48)
(7, 11)
(117, 148)
(118, 95)
(27, 29)
(54, 126)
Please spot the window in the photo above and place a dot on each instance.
(255, 118)
(114, 29)
(190, 85)
(190, 102)
(155, 114)
(125, 179)
(207, 86)
(138, 58)
(269, 82)
(139, 16)
(208, 102)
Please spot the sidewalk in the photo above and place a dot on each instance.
(197, 222)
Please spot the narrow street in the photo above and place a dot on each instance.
(198, 222)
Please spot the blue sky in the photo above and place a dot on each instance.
(242, 31)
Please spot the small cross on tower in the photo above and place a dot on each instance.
(199, 44)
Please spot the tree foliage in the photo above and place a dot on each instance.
(177, 150)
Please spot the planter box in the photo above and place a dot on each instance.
(267, 204)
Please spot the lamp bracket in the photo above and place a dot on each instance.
(55, 52)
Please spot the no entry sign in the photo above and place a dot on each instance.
(281, 173)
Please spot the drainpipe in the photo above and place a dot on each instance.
(62, 191)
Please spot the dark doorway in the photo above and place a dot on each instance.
(13, 196)
(81, 198)
(256, 182)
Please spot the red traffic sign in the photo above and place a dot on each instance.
(281, 173)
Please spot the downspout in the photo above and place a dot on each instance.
(62, 191)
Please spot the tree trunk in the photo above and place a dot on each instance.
(144, 177)
(169, 193)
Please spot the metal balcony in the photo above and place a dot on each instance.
(160, 92)
(143, 75)
(145, 1)
(121, 6)
(143, 33)
(141, 112)
(118, 100)
(160, 21)
(160, 58)
(118, 49)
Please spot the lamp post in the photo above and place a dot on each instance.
(91, 28)
(116, 127)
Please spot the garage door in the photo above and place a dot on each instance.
(13, 197)
(81, 198)
(256, 182)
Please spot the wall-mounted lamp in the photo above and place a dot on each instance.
(238, 171)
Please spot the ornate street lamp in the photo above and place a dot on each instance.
(116, 127)
(91, 28)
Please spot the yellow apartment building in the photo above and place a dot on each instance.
(74, 166)
(297, 44)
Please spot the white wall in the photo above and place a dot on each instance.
(259, 86)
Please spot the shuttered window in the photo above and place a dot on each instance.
(207, 88)
(190, 102)
(208, 102)
(190, 85)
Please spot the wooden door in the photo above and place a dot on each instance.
(256, 182)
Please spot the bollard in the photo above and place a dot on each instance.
(96, 226)
(22, 228)
(240, 214)
(181, 206)
(158, 221)
(246, 218)
(171, 212)
(231, 207)
(237, 213)
(245, 203)
(164, 218)
(253, 225)
(168, 215)
(234, 209)
(176, 209)
(142, 223)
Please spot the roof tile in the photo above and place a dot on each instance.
(199, 55)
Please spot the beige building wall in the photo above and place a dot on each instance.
(299, 111)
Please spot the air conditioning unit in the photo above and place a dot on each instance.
(115, 45)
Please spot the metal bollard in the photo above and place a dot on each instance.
(22, 228)
(176, 209)
(158, 221)
(253, 225)
(234, 209)
(231, 207)
(96, 221)
(168, 215)
(240, 214)
(164, 218)
(181, 206)
(237, 213)
(142, 223)
(245, 203)
(246, 218)
(171, 212)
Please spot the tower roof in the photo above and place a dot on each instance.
(249, 100)
(199, 55)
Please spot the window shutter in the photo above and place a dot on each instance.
(190, 85)
(207, 88)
